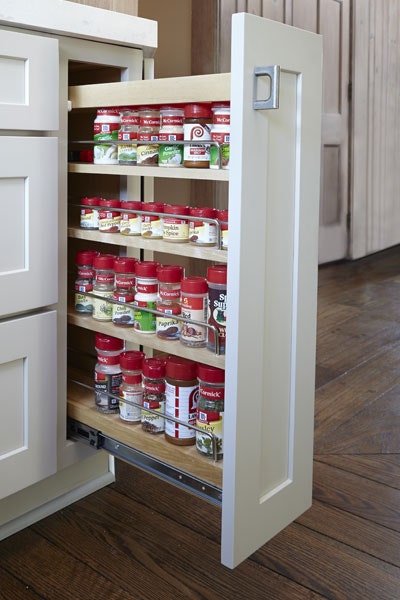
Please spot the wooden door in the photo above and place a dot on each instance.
(331, 18)
(272, 278)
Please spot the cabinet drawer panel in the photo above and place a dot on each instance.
(28, 448)
(29, 66)
(28, 208)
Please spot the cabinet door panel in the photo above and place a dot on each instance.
(28, 203)
(28, 428)
(29, 72)
(272, 285)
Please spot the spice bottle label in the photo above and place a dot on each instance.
(102, 310)
(217, 317)
(194, 309)
(105, 384)
(153, 423)
(181, 403)
(209, 422)
(130, 412)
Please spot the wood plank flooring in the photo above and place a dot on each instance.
(143, 539)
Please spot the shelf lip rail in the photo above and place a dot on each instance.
(95, 438)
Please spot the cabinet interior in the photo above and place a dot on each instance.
(195, 187)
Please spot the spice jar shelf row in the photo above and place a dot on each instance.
(81, 408)
(201, 355)
(139, 242)
(148, 171)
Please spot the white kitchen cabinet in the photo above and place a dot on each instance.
(264, 480)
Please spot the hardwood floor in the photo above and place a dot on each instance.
(142, 539)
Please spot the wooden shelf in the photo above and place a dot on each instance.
(209, 253)
(168, 90)
(129, 334)
(162, 172)
(81, 407)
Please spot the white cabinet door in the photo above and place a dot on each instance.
(272, 285)
(28, 426)
(28, 240)
(29, 82)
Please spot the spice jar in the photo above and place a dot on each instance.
(153, 395)
(146, 295)
(149, 125)
(194, 296)
(131, 388)
(128, 133)
(103, 286)
(216, 280)
(89, 218)
(175, 226)
(123, 312)
(169, 284)
(109, 219)
(171, 130)
(210, 409)
(84, 281)
(152, 225)
(107, 372)
(203, 233)
(181, 391)
(105, 129)
(130, 223)
(197, 130)
(222, 216)
(220, 133)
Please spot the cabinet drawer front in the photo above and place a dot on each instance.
(28, 208)
(29, 72)
(28, 427)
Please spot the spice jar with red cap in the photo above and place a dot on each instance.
(153, 395)
(107, 372)
(146, 296)
(152, 224)
(169, 283)
(210, 409)
(109, 219)
(194, 297)
(203, 232)
(131, 388)
(197, 130)
(181, 391)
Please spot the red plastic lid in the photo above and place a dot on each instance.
(124, 264)
(86, 257)
(108, 342)
(153, 206)
(217, 273)
(110, 202)
(170, 273)
(175, 209)
(94, 201)
(104, 261)
(154, 368)
(197, 110)
(180, 368)
(194, 285)
(204, 211)
(131, 360)
(146, 268)
(222, 215)
(132, 205)
(211, 374)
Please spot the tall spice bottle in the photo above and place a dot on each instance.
(181, 391)
(131, 388)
